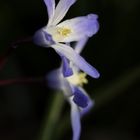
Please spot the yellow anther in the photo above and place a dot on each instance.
(82, 78)
(78, 79)
(64, 31)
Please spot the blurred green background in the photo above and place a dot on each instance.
(114, 51)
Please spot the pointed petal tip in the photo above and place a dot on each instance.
(97, 75)
(92, 71)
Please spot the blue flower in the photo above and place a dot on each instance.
(59, 35)
(75, 94)
(73, 90)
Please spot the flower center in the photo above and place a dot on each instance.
(63, 31)
(78, 79)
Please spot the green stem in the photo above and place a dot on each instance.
(52, 118)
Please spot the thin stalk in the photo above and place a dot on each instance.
(52, 117)
(21, 81)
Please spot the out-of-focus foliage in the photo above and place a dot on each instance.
(114, 51)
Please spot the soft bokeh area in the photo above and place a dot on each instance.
(28, 104)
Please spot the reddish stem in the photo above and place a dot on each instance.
(21, 81)
(21, 41)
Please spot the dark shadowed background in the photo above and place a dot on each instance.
(114, 51)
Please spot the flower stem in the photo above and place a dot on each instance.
(21, 81)
(52, 118)
(21, 41)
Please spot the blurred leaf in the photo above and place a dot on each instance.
(116, 87)
(52, 117)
